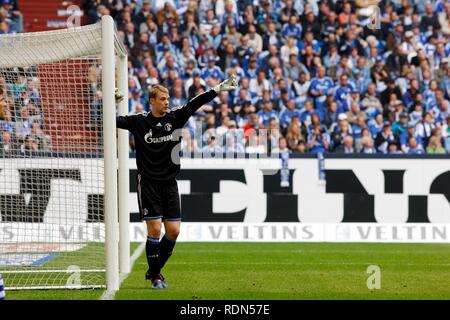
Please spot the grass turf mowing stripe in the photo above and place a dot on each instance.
(284, 271)
(297, 271)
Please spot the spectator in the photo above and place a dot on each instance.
(376, 125)
(331, 60)
(302, 147)
(7, 149)
(347, 146)
(393, 148)
(233, 145)
(391, 89)
(222, 129)
(300, 87)
(212, 148)
(208, 22)
(267, 113)
(288, 49)
(291, 29)
(188, 144)
(343, 91)
(399, 127)
(271, 37)
(435, 146)
(255, 145)
(40, 139)
(29, 147)
(371, 105)
(404, 137)
(307, 112)
(442, 111)
(293, 69)
(12, 15)
(287, 115)
(413, 147)
(331, 115)
(4, 27)
(167, 15)
(318, 141)
(144, 13)
(446, 134)
(293, 136)
(357, 130)
(287, 11)
(211, 70)
(7, 124)
(320, 86)
(198, 84)
(342, 131)
(177, 98)
(136, 99)
(424, 128)
(255, 40)
(353, 113)
(282, 147)
(384, 137)
(23, 126)
(367, 145)
(259, 84)
(430, 20)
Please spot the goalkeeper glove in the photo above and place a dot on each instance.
(118, 96)
(228, 85)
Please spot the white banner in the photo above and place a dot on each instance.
(305, 232)
(247, 232)
(405, 200)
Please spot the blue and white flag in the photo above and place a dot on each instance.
(285, 174)
(321, 162)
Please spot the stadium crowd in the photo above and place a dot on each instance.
(315, 70)
(319, 76)
(10, 17)
(20, 128)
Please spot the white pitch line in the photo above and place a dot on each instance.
(109, 295)
(307, 263)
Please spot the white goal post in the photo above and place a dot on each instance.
(64, 177)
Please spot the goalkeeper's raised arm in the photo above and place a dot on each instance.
(159, 101)
(182, 114)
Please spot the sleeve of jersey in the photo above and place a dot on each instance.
(125, 122)
(183, 113)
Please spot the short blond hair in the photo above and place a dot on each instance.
(153, 90)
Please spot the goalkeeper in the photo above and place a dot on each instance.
(158, 198)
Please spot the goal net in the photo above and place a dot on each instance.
(58, 194)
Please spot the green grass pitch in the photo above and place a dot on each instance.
(288, 271)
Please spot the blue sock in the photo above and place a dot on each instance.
(166, 248)
(152, 251)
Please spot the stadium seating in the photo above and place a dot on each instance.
(319, 73)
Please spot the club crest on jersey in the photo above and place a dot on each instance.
(148, 135)
(167, 126)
